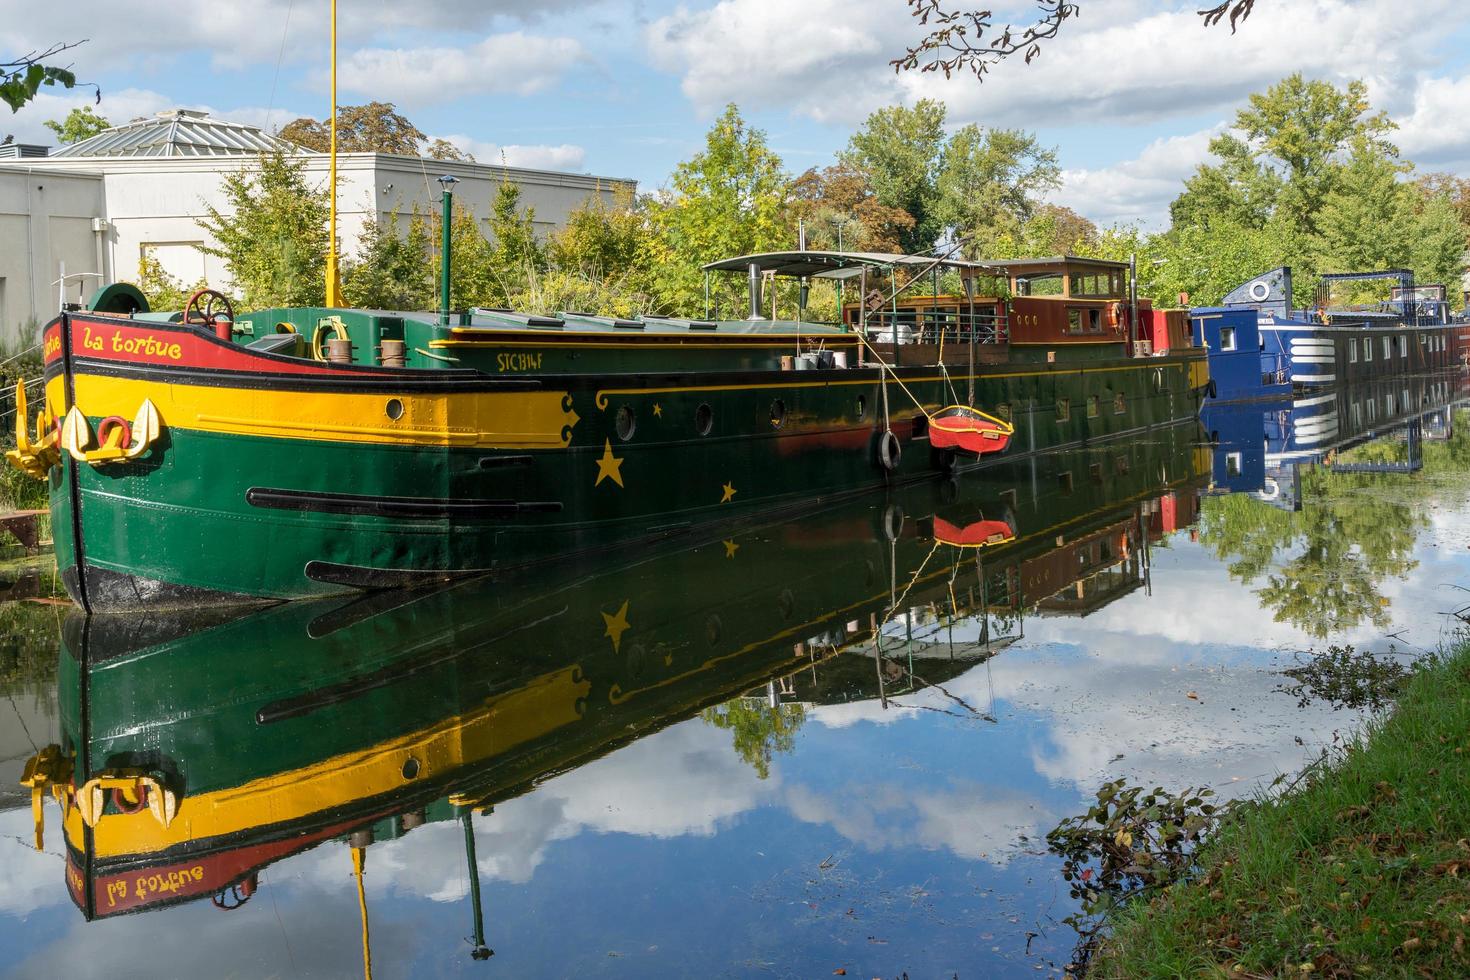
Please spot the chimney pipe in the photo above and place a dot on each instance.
(755, 292)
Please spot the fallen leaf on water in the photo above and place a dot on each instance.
(1191, 695)
(839, 972)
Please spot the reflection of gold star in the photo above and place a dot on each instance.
(617, 625)
(609, 467)
(730, 548)
(730, 491)
(658, 409)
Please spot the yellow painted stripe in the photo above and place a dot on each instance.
(546, 704)
(522, 419)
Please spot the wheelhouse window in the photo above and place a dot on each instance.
(1227, 338)
(1064, 409)
(1074, 321)
(1094, 321)
(1094, 406)
(1120, 403)
(1044, 285)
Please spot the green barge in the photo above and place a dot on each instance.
(205, 458)
(199, 746)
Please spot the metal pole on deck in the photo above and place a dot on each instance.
(445, 248)
(480, 951)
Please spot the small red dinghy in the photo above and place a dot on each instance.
(977, 535)
(969, 431)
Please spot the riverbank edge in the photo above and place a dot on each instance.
(1362, 869)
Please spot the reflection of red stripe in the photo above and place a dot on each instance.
(159, 884)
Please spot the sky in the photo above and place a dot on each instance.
(1129, 95)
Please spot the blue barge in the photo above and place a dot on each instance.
(1261, 349)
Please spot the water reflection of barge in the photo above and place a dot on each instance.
(183, 771)
(1257, 446)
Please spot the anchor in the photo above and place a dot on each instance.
(143, 788)
(48, 768)
(117, 441)
(33, 457)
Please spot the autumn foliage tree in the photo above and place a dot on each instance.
(376, 127)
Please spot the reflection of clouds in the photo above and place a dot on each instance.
(969, 820)
(31, 879)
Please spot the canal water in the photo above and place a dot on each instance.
(827, 747)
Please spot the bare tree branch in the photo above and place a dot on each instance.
(969, 40)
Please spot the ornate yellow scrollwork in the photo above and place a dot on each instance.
(119, 442)
(33, 457)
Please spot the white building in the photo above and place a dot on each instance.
(94, 209)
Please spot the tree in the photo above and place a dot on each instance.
(22, 77)
(729, 199)
(1456, 188)
(899, 149)
(273, 234)
(839, 209)
(1437, 244)
(1367, 219)
(758, 730)
(989, 181)
(81, 123)
(963, 39)
(373, 128)
(162, 290)
(392, 270)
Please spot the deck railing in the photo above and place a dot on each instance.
(928, 327)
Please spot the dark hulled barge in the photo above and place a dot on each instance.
(202, 457)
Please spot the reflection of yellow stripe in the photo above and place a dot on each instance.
(529, 419)
(546, 704)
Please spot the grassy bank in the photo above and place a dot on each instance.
(1362, 870)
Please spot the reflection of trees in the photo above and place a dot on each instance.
(28, 638)
(757, 730)
(1354, 531)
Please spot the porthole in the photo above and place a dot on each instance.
(394, 409)
(704, 419)
(625, 423)
(713, 627)
(786, 603)
(778, 413)
(411, 768)
(862, 407)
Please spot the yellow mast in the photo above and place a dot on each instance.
(358, 859)
(332, 298)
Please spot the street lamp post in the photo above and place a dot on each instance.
(447, 199)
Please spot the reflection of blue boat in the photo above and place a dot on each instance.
(1260, 348)
(1258, 444)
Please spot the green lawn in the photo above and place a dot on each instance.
(1362, 870)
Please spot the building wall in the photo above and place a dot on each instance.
(152, 205)
(46, 220)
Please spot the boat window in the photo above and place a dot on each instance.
(1227, 338)
(1367, 348)
(1232, 464)
(1094, 321)
(1120, 403)
(1094, 406)
(1064, 480)
(1352, 353)
(1121, 464)
(1101, 285)
(626, 423)
(1095, 471)
(1403, 346)
(1064, 409)
(1387, 348)
(862, 406)
(1003, 411)
(704, 419)
(1044, 285)
(1074, 321)
(778, 413)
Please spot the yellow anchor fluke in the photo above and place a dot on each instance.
(162, 803)
(90, 801)
(47, 767)
(22, 417)
(76, 434)
(31, 458)
(146, 428)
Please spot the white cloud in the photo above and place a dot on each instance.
(1432, 133)
(1123, 62)
(516, 63)
(1137, 190)
(541, 156)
